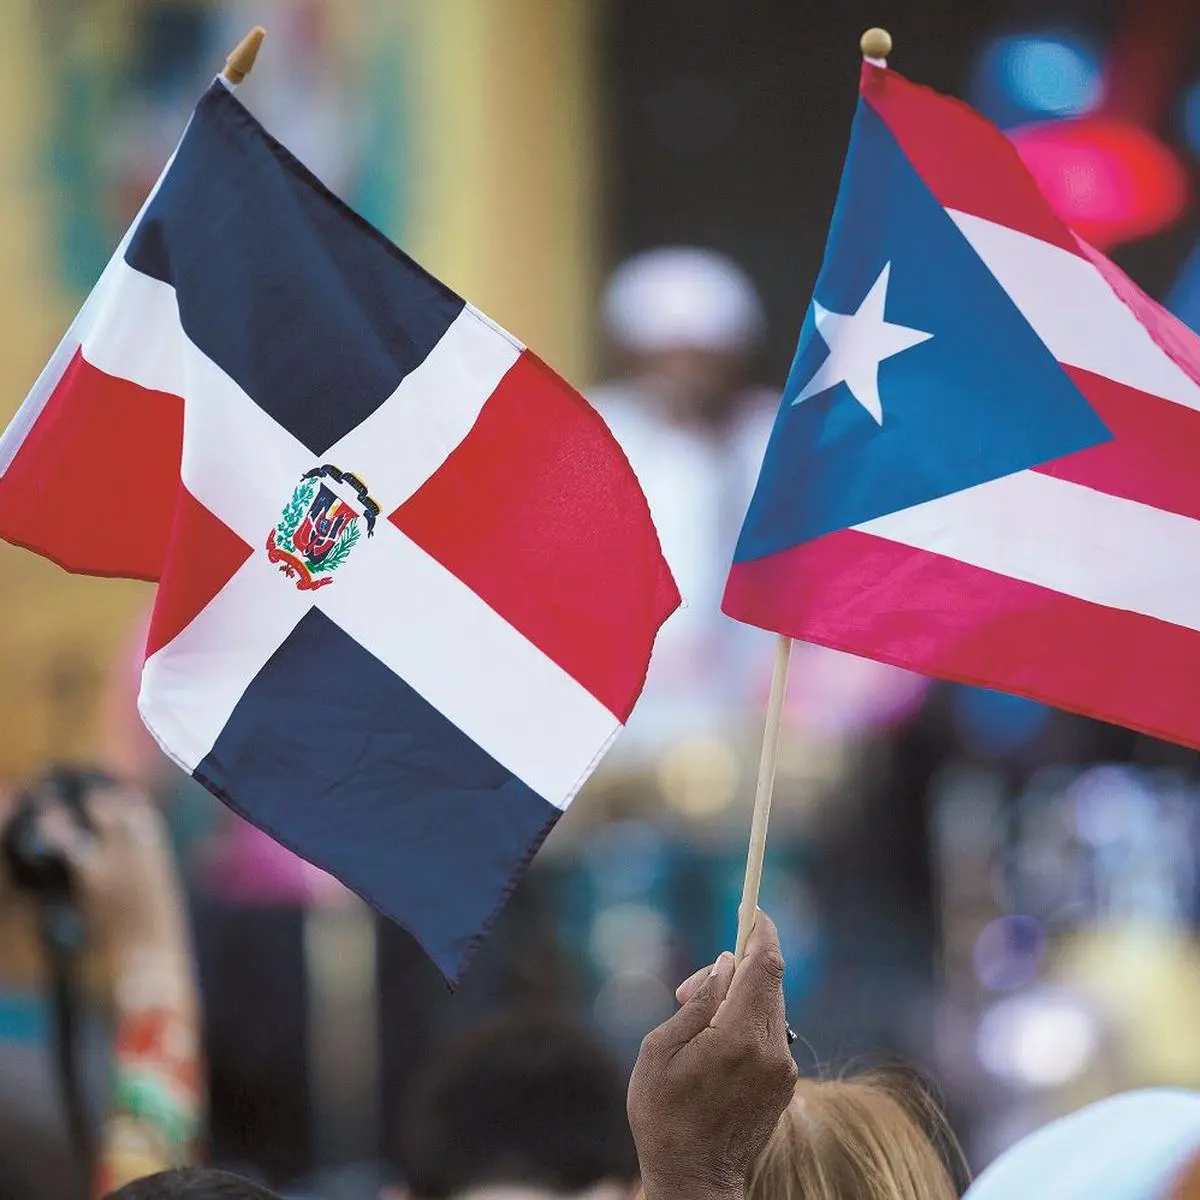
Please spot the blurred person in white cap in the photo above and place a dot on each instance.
(685, 323)
(1140, 1145)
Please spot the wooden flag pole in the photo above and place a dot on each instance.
(876, 45)
(762, 795)
(240, 62)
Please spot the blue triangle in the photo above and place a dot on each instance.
(980, 399)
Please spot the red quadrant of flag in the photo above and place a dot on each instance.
(534, 449)
(105, 451)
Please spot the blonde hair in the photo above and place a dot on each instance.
(873, 1136)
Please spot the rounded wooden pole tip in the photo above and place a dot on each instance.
(876, 43)
(240, 63)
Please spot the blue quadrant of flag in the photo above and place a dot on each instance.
(341, 345)
(979, 397)
(350, 765)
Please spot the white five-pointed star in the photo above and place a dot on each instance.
(858, 342)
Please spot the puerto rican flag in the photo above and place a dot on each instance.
(986, 463)
(408, 584)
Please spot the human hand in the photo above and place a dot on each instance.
(124, 872)
(711, 1082)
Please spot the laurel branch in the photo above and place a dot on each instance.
(297, 506)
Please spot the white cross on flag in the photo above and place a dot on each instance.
(407, 582)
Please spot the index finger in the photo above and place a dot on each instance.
(755, 1001)
(687, 989)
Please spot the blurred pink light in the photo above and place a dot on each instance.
(840, 695)
(1109, 180)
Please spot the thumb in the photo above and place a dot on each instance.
(701, 1006)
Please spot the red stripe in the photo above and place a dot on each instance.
(1175, 339)
(882, 600)
(93, 484)
(203, 555)
(1153, 455)
(539, 513)
(965, 161)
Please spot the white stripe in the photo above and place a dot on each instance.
(469, 663)
(1062, 536)
(1075, 312)
(400, 445)
(496, 327)
(238, 461)
(97, 301)
(134, 330)
(190, 686)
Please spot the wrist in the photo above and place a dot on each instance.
(152, 971)
(153, 921)
(692, 1184)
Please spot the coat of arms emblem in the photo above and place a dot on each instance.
(320, 526)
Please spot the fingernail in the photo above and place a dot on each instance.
(722, 958)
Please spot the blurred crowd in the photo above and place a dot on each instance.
(1003, 893)
(526, 1105)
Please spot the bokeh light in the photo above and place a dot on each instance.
(629, 1004)
(625, 860)
(699, 776)
(630, 937)
(994, 724)
(1191, 116)
(1111, 181)
(1027, 76)
(1038, 1040)
(1053, 75)
(1112, 804)
(1008, 952)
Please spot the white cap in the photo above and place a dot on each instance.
(1128, 1147)
(682, 296)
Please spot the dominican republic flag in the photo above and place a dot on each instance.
(408, 584)
(986, 463)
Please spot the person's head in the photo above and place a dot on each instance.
(1137, 1146)
(689, 319)
(192, 1183)
(525, 1103)
(865, 1137)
